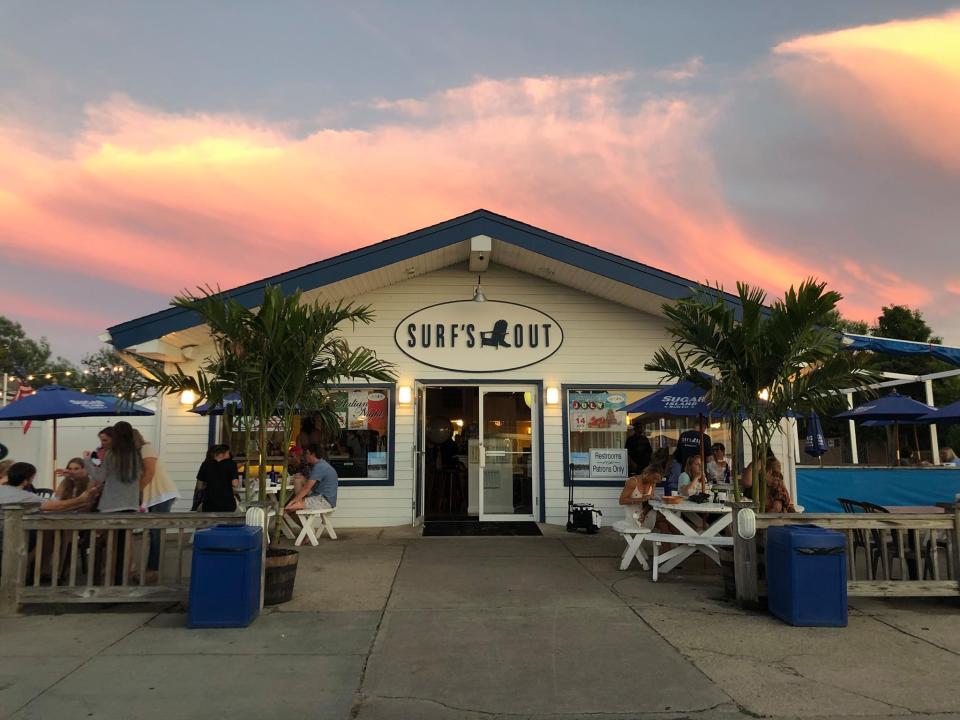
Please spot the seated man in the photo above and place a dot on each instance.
(17, 489)
(319, 491)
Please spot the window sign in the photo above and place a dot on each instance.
(597, 411)
(606, 463)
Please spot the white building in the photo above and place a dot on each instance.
(496, 403)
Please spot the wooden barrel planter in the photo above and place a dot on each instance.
(279, 576)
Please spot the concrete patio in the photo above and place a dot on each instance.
(385, 624)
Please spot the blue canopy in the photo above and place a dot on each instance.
(684, 398)
(888, 346)
(894, 406)
(816, 444)
(947, 414)
(54, 402)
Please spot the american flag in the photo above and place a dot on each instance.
(22, 392)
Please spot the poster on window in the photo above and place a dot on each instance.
(367, 410)
(340, 408)
(597, 412)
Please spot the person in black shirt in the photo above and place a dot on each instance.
(638, 449)
(216, 480)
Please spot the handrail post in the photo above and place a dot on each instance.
(746, 571)
(13, 568)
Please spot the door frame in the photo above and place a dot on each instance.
(418, 453)
(535, 402)
(536, 414)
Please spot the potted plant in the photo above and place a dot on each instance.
(279, 359)
(758, 363)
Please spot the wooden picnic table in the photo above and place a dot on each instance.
(691, 538)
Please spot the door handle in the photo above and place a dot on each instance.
(483, 456)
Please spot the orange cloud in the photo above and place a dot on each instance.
(160, 201)
(903, 74)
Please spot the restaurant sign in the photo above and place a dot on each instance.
(479, 337)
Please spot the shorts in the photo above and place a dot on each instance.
(316, 502)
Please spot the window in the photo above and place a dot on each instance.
(598, 430)
(360, 449)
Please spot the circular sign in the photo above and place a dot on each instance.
(478, 337)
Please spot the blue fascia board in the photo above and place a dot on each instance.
(419, 242)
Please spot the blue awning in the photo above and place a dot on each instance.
(888, 346)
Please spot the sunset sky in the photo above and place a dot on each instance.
(150, 147)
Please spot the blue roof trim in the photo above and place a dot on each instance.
(404, 247)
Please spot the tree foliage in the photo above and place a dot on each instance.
(784, 353)
(280, 358)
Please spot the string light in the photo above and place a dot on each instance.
(47, 376)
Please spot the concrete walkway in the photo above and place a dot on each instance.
(385, 624)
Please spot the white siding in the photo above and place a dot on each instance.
(604, 343)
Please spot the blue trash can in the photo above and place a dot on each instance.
(807, 575)
(225, 577)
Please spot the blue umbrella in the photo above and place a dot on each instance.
(54, 402)
(947, 414)
(895, 408)
(685, 399)
(815, 444)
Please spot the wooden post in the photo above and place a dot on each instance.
(13, 570)
(745, 567)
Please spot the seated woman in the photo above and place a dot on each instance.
(692, 480)
(778, 497)
(75, 480)
(949, 458)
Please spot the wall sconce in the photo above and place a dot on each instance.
(404, 395)
(188, 397)
(553, 396)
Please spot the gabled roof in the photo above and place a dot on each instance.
(375, 257)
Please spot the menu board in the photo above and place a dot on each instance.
(597, 411)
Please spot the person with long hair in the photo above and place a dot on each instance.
(159, 494)
(778, 497)
(75, 480)
(692, 480)
(120, 473)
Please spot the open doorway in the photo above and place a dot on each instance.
(452, 417)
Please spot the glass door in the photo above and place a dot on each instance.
(419, 455)
(508, 463)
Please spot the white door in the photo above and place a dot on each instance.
(509, 446)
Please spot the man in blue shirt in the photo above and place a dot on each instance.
(319, 490)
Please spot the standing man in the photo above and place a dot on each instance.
(319, 491)
(638, 447)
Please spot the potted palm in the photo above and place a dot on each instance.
(758, 362)
(279, 358)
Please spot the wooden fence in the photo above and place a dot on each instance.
(888, 555)
(96, 557)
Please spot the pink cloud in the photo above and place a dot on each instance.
(903, 76)
(162, 201)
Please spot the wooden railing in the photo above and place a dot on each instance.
(888, 555)
(96, 557)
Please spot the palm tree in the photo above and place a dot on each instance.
(757, 363)
(280, 359)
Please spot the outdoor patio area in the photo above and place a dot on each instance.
(386, 624)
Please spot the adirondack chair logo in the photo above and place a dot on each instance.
(497, 337)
